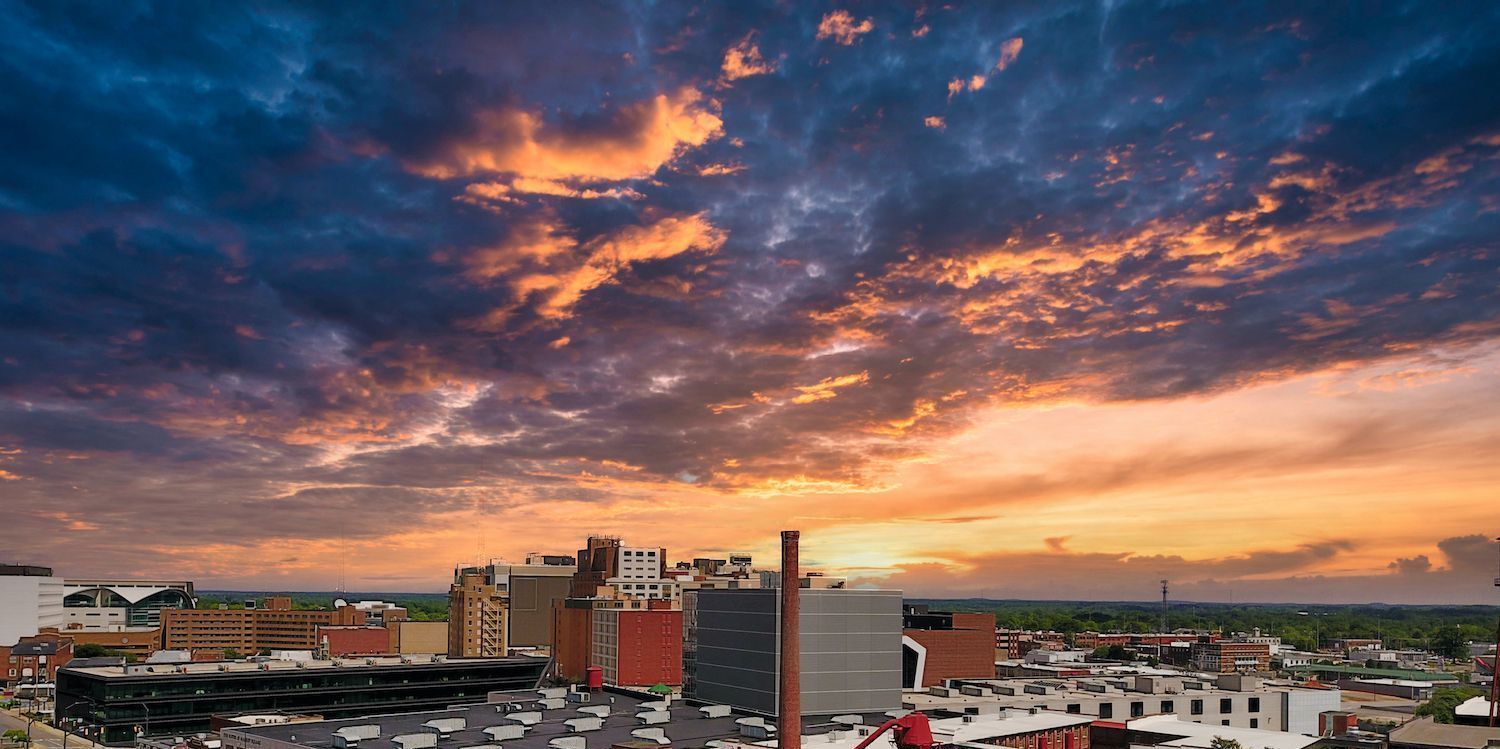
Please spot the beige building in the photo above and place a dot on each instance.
(411, 638)
(476, 616)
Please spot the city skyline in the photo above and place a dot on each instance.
(1023, 301)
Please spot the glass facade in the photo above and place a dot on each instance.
(180, 704)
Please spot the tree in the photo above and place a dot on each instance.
(1111, 653)
(1444, 700)
(90, 650)
(230, 654)
(1219, 742)
(16, 735)
(1450, 643)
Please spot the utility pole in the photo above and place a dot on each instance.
(1163, 629)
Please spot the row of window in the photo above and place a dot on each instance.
(1195, 707)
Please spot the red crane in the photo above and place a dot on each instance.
(912, 731)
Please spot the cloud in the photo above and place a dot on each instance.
(744, 60)
(1010, 49)
(627, 142)
(841, 27)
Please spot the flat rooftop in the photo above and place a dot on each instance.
(1201, 736)
(686, 728)
(212, 668)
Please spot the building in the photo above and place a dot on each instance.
(476, 616)
(1230, 656)
(1424, 733)
(337, 642)
(938, 645)
(850, 641)
(1016, 643)
(1229, 700)
(131, 603)
(35, 659)
(418, 638)
(1172, 731)
(137, 641)
(177, 700)
(276, 626)
(598, 560)
(31, 600)
(642, 563)
(638, 647)
(545, 719)
(573, 637)
(377, 613)
(532, 590)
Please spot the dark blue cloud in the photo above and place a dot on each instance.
(217, 226)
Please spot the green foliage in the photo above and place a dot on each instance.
(1219, 742)
(230, 654)
(1450, 642)
(15, 735)
(1444, 700)
(421, 607)
(1111, 653)
(90, 650)
(1300, 626)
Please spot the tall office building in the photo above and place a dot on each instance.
(531, 590)
(476, 615)
(31, 599)
(850, 649)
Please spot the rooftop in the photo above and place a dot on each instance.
(1201, 736)
(1424, 732)
(220, 667)
(958, 730)
(686, 725)
(1050, 692)
(1378, 673)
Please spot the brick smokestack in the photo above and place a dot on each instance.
(789, 695)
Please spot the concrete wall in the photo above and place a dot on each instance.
(851, 650)
(29, 603)
(531, 601)
(427, 638)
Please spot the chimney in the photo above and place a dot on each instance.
(789, 695)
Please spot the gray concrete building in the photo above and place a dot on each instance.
(850, 642)
(1223, 700)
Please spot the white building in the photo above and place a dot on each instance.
(641, 563)
(31, 599)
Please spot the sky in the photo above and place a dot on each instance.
(1016, 300)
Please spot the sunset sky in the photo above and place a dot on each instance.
(1044, 300)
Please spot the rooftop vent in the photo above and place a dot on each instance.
(568, 742)
(714, 711)
(415, 740)
(584, 723)
(653, 717)
(505, 732)
(598, 711)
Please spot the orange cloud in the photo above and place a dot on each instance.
(639, 139)
(839, 26)
(828, 387)
(1010, 49)
(935, 122)
(744, 60)
(545, 257)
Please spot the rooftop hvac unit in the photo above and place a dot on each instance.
(654, 717)
(714, 711)
(601, 711)
(583, 724)
(568, 742)
(369, 661)
(969, 718)
(223, 667)
(265, 667)
(505, 732)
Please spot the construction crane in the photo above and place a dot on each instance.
(911, 731)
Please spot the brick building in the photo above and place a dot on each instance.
(1016, 643)
(137, 641)
(943, 645)
(638, 647)
(477, 610)
(276, 627)
(35, 658)
(339, 641)
(1231, 656)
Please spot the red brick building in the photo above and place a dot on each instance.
(572, 637)
(345, 641)
(948, 646)
(35, 658)
(276, 627)
(638, 647)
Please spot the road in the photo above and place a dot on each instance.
(43, 736)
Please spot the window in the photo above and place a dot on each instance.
(1137, 709)
(1255, 722)
(1226, 705)
(1254, 704)
(1197, 707)
(1224, 722)
(1166, 706)
(1075, 708)
(1106, 710)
